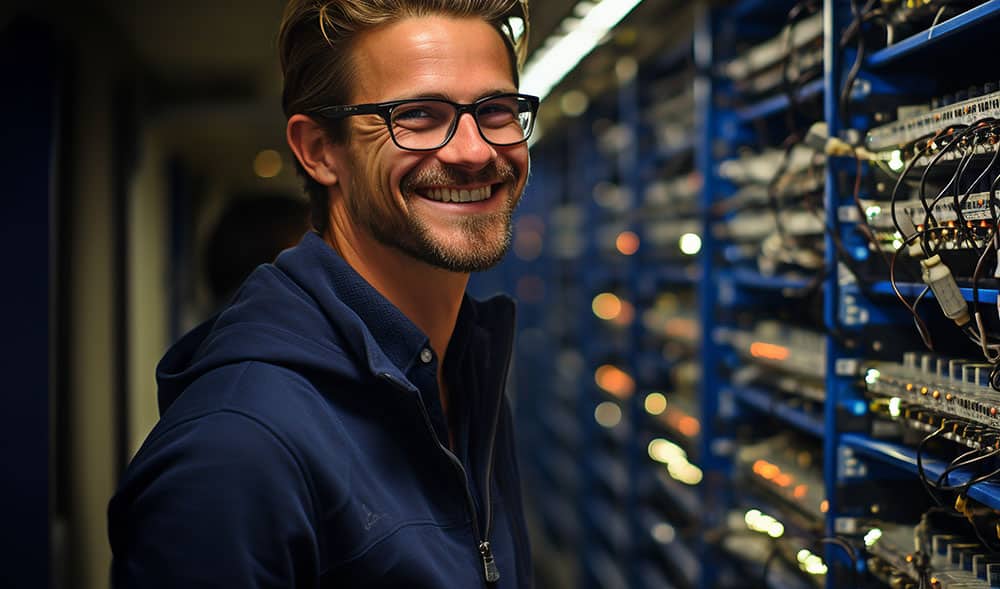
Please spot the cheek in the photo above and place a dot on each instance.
(518, 158)
(385, 168)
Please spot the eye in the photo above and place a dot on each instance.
(411, 113)
(421, 115)
(499, 112)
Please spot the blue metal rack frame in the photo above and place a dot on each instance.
(766, 402)
(776, 104)
(974, 17)
(986, 295)
(987, 493)
(725, 295)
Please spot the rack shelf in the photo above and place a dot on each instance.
(778, 103)
(676, 274)
(720, 291)
(673, 151)
(752, 279)
(972, 18)
(986, 295)
(987, 493)
(764, 401)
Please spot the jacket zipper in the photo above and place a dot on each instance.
(490, 571)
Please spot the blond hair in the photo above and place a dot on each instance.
(315, 44)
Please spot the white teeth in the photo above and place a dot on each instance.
(464, 195)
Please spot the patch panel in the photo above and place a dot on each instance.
(784, 468)
(673, 318)
(664, 237)
(944, 558)
(758, 225)
(778, 559)
(761, 167)
(676, 195)
(902, 133)
(770, 343)
(949, 387)
(671, 117)
(765, 66)
(799, 385)
(978, 216)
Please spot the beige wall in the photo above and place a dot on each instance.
(100, 60)
(149, 294)
(91, 359)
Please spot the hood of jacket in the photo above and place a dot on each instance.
(310, 310)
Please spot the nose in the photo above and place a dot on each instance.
(467, 147)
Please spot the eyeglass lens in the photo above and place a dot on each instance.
(426, 124)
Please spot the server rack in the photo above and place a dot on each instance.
(761, 410)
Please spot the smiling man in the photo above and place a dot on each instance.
(343, 422)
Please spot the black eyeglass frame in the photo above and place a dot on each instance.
(384, 110)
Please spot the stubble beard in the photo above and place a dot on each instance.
(489, 233)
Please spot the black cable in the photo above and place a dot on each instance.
(852, 74)
(960, 203)
(792, 88)
(930, 223)
(941, 484)
(929, 219)
(772, 192)
(906, 170)
(863, 226)
(767, 564)
(992, 236)
(847, 548)
(964, 487)
(978, 271)
(921, 474)
(921, 326)
(955, 140)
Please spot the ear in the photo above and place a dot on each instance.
(311, 145)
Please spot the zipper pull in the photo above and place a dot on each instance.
(489, 563)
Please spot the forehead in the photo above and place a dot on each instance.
(459, 58)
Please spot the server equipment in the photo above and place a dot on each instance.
(767, 351)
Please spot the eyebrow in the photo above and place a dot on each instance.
(442, 96)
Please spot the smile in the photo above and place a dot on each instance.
(459, 195)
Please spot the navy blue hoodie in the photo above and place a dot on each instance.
(300, 445)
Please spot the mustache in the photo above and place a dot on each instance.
(494, 172)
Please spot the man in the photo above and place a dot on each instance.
(343, 422)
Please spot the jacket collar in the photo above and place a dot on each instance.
(374, 328)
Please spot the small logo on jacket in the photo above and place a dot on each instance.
(371, 518)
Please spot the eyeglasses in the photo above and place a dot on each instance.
(426, 124)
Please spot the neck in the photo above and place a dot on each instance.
(428, 296)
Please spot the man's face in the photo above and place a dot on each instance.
(403, 198)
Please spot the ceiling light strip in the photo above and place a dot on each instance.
(561, 53)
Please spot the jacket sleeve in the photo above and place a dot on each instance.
(217, 501)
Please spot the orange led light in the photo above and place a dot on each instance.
(625, 315)
(689, 426)
(800, 491)
(627, 243)
(606, 306)
(615, 381)
(767, 470)
(681, 328)
(768, 351)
